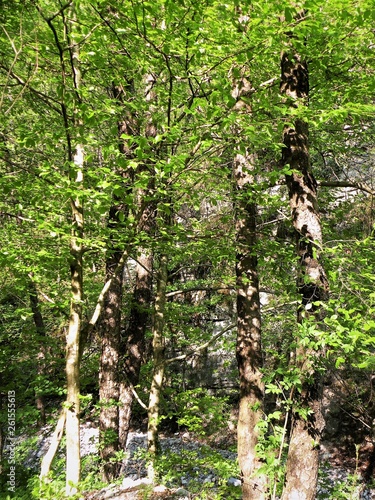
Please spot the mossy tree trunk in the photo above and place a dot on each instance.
(158, 346)
(73, 349)
(73, 458)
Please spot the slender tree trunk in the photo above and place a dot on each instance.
(302, 462)
(159, 365)
(249, 349)
(73, 459)
(134, 341)
(41, 336)
(70, 109)
(73, 350)
(55, 441)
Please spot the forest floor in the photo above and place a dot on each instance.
(346, 471)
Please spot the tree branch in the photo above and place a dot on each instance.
(198, 289)
(351, 184)
(201, 347)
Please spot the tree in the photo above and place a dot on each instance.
(312, 284)
(189, 138)
(249, 346)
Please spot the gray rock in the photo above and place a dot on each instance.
(233, 481)
(129, 483)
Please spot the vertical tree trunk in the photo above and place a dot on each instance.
(249, 350)
(41, 336)
(134, 341)
(73, 459)
(75, 156)
(302, 462)
(73, 351)
(108, 371)
(122, 358)
(110, 328)
(159, 364)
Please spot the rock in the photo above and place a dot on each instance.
(129, 483)
(233, 481)
(160, 489)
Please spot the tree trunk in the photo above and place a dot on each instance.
(134, 341)
(108, 370)
(159, 365)
(41, 336)
(249, 349)
(73, 459)
(110, 329)
(55, 441)
(302, 462)
(122, 358)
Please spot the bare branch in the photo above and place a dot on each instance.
(351, 184)
(198, 289)
(201, 347)
(16, 216)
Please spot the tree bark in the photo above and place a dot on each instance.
(159, 365)
(122, 357)
(249, 349)
(303, 459)
(73, 458)
(110, 328)
(110, 331)
(134, 341)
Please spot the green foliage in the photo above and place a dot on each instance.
(347, 489)
(28, 485)
(349, 334)
(174, 65)
(174, 468)
(200, 412)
